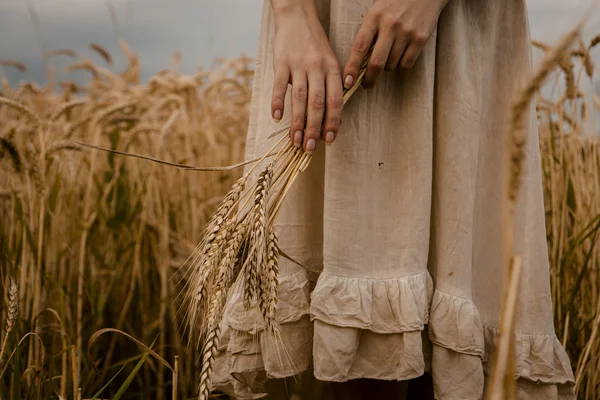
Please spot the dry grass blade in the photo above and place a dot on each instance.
(503, 383)
(21, 341)
(176, 165)
(13, 64)
(102, 52)
(101, 332)
(22, 108)
(60, 52)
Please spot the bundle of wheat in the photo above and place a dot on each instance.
(240, 245)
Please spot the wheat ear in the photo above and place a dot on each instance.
(269, 282)
(13, 312)
(224, 281)
(206, 256)
(258, 214)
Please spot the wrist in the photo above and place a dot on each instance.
(288, 10)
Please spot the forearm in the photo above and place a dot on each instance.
(284, 9)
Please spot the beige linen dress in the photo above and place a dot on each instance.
(397, 224)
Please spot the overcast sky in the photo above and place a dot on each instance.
(200, 29)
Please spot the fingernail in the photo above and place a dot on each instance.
(348, 81)
(277, 115)
(298, 138)
(310, 146)
(329, 138)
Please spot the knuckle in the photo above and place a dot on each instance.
(407, 62)
(404, 30)
(375, 14)
(315, 60)
(280, 85)
(332, 65)
(300, 93)
(312, 132)
(377, 63)
(391, 23)
(333, 124)
(335, 101)
(295, 62)
(420, 38)
(279, 61)
(317, 101)
(277, 102)
(360, 44)
(378, 9)
(297, 123)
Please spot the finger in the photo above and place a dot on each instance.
(334, 104)
(378, 59)
(395, 54)
(412, 52)
(360, 47)
(315, 109)
(280, 86)
(299, 96)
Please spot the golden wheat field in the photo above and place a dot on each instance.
(91, 242)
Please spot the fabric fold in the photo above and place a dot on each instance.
(370, 327)
(539, 358)
(249, 355)
(385, 305)
(292, 304)
(455, 324)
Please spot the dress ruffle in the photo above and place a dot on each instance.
(292, 304)
(455, 324)
(392, 305)
(248, 355)
(539, 358)
(389, 329)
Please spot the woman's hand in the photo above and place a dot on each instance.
(399, 30)
(304, 58)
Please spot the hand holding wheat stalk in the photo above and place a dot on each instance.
(240, 244)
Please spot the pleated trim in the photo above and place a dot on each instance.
(292, 304)
(455, 324)
(372, 328)
(391, 305)
(540, 358)
(248, 355)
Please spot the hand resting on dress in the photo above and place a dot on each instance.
(303, 58)
(398, 30)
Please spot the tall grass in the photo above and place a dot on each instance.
(93, 240)
(570, 148)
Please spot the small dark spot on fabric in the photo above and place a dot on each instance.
(450, 273)
(380, 165)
